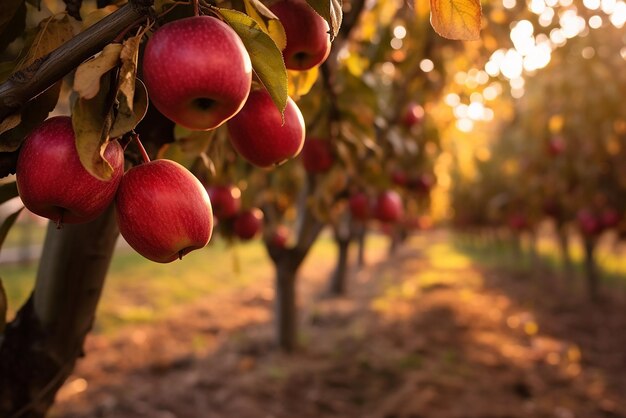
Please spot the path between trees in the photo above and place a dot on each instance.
(426, 333)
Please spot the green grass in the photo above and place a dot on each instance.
(140, 291)
(502, 254)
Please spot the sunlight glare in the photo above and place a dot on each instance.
(512, 65)
(452, 99)
(509, 4)
(592, 4)
(618, 18)
(465, 125)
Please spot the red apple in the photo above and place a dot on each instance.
(388, 207)
(280, 237)
(225, 200)
(52, 181)
(422, 184)
(610, 218)
(399, 178)
(413, 115)
(197, 72)
(360, 206)
(248, 223)
(517, 221)
(259, 134)
(588, 223)
(556, 146)
(317, 155)
(163, 211)
(308, 41)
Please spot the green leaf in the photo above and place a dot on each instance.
(4, 305)
(8, 191)
(266, 57)
(88, 74)
(456, 19)
(92, 121)
(7, 224)
(331, 11)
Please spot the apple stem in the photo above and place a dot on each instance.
(180, 255)
(144, 154)
(196, 7)
(60, 220)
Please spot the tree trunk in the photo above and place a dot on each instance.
(286, 313)
(338, 279)
(361, 234)
(41, 345)
(565, 254)
(591, 271)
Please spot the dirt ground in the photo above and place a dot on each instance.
(427, 333)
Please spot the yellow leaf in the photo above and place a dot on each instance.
(268, 22)
(88, 74)
(51, 34)
(97, 15)
(301, 82)
(456, 19)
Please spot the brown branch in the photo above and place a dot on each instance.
(44, 72)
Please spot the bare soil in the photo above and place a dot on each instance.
(422, 334)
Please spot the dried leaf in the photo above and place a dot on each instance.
(456, 19)
(92, 121)
(88, 74)
(7, 224)
(128, 72)
(52, 33)
(8, 191)
(97, 15)
(32, 114)
(267, 21)
(127, 118)
(10, 122)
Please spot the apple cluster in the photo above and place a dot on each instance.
(198, 74)
(163, 211)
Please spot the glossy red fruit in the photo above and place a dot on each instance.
(556, 146)
(360, 206)
(225, 200)
(588, 223)
(518, 221)
(248, 224)
(413, 115)
(280, 237)
(52, 181)
(610, 218)
(308, 41)
(423, 183)
(163, 211)
(197, 72)
(317, 155)
(388, 207)
(258, 134)
(399, 177)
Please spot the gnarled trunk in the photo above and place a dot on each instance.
(41, 345)
(591, 270)
(339, 276)
(285, 305)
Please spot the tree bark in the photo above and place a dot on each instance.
(565, 254)
(339, 277)
(41, 345)
(591, 271)
(360, 236)
(286, 312)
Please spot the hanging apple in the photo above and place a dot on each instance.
(308, 42)
(197, 72)
(52, 181)
(163, 211)
(259, 135)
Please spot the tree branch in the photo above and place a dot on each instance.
(44, 72)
